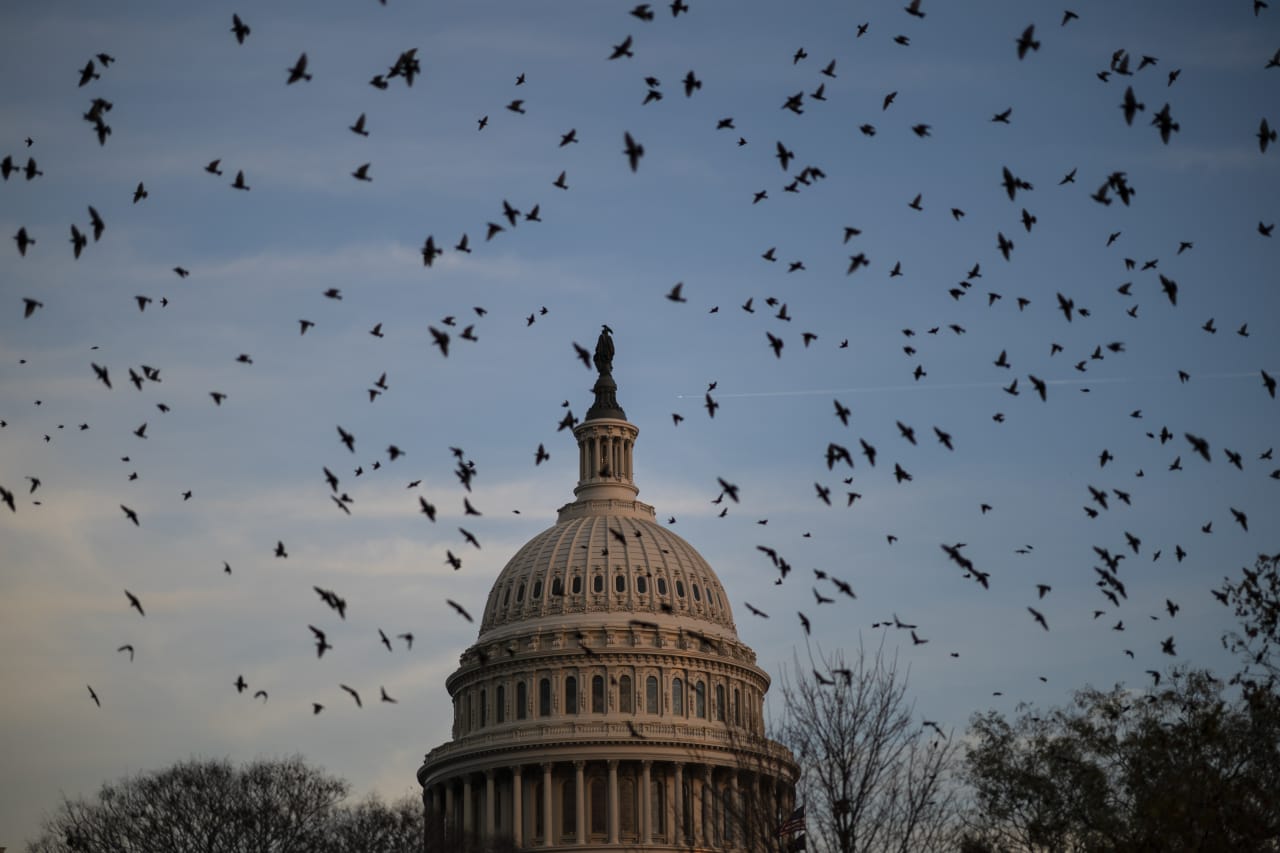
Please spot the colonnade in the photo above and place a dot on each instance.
(609, 801)
(605, 455)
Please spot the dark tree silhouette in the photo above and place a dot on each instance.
(267, 806)
(1181, 767)
(872, 776)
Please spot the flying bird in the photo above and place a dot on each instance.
(299, 71)
(240, 28)
(1027, 41)
(134, 602)
(634, 151)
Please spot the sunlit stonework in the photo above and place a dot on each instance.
(608, 702)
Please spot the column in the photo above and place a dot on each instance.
(735, 819)
(580, 799)
(517, 807)
(448, 805)
(646, 803)
(677, 825)
(699, 806)
(489, 829)
(468, 823)
(546, 804)
(613, 801)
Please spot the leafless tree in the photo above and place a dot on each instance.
(267, 806)
(873, 776)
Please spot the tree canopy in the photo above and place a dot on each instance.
(266, 806)
(1183, 765)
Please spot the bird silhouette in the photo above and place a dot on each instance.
(298, 71)
(240, 29)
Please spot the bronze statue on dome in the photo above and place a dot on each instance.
(603, 357)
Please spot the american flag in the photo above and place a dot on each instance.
(793, 824)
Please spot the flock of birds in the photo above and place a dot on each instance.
(838, 456)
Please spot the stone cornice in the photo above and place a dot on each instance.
(679, 742)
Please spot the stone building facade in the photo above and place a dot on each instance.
(608, 703)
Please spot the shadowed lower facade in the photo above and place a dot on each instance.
(608, 703)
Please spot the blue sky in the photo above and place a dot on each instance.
(607, 251)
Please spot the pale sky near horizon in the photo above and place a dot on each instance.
(608, 249)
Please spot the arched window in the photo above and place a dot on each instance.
(624, 694)
(651, 695)
(520, 593)
(620, 583)
(570, 695)
(557, 586)
(697, 593)
(537, 589)
(506, 596)
(544, 697)
(522, 700)
(720, 702)
(599, 807)
(577, 584)
(737, 707)
(597, 583)
(677, 697)
(568, 808)
(679, 588)
(642, 585)
(597, 694)
(500, 702)
(484, 708)
(662, 586)
(700, 699)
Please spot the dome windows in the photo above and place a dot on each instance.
(679, 588)
(576, 585)
(520, 593)
(570, 695)
(620, 583)
(697, 593)
(642, 585)
(544, 697)
(597, 584)
(625, 696)
(557, 586)
(537, 590)
(662, 586)
(597, 694)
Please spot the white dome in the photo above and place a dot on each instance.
(605, 565)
